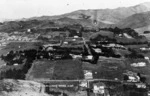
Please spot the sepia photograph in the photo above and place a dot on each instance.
(74, 47)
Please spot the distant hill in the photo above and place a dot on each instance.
(140, 22)
(136, 17)
(41, 24)
(109, 16)
(142, 29)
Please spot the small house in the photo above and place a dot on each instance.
(99, 88)
(88, 74)
(139, 64)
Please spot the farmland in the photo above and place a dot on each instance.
(107, 69)
(18, 46)
(61, 69)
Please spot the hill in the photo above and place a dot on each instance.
(142, 29)
(137, 17)
(10, 87)
(42, 24)
(108, 16)
(140, 22)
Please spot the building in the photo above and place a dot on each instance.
(132, 77)
(139, 64)
(88, 74)
(100, 89)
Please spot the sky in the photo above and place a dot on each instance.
(17, 9)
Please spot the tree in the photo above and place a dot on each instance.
(125, 78)
(143, 79)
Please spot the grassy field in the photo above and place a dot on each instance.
(61, 69)
(41, 69)
(106, 69)
(68, 69)
(113, 68)
(15, 46)
(137, 46)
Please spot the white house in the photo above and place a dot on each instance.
(147, 58)
(76, 56)
(89, 57)
(76, 36)
(97, 50)
(83, 84)
(99, 88)
(139, 64)
(16, 64)
(88, 74)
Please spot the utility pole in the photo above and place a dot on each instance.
(88, 88)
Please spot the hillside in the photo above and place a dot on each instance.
(142, 29)
(109, 16)
(136, 21)
(137, 17)
(21, 88)
(42, 24)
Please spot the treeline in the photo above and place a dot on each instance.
(107, 52)
(117, 30)
(132, 43)
(106, 40)
(134, 54)
(102, 39)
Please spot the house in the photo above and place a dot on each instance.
(99, 88)
(112, 45)
(133, 77)
(76, 36)
(89, 57)
(139, 64)
(140, 85)
(127, 36)
(148, 93)
(29, 30)
(76, 56)
(120, 35)
(97, 50)
(143, 49)
(147, 58)
(16, 64)
(65, 42)
(88, 74)
(83, 84)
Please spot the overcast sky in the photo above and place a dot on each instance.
(16, 9)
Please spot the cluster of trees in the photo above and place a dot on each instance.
(103, 39)
(146, 32)
(133, 43)
(142, 78)
(134, 54)
(75, 33)
(90, 30)
(13, 57)
(108, 52)
(117, 30)
(19, 73)
(30, 56)
(43, 38)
